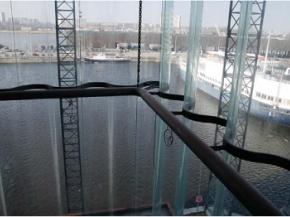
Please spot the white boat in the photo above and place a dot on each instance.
(106, 58)
(270, 98)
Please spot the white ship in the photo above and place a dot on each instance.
(271, 95)
(106, 58)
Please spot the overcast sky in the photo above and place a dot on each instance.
(277, 17)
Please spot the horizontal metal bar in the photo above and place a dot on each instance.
(254, 156)
(147, 84)
(252, 199)
(66, 93)
(168, 95)
(187, 114)
(201, 118)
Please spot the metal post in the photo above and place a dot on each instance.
(67, 76)
(237, 78)
(240, 63)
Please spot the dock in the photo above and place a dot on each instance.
(147, 56)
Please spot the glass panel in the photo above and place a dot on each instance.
(165, 71)
(28, 55)
(30, 157)
(31, 150)
(151, 40)
(190, 89)
(107, 41)
(238, 74)
(268, 125)
(108, 154)
(193, 55)
(112, 145)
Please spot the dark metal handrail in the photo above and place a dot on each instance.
(251, 198)
(253, 156)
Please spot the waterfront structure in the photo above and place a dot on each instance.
(271, 104)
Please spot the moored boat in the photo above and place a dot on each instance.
(106, 58)
(270, 97)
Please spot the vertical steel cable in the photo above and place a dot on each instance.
(14, 41)
(80, 38)
(13, 29)
(139, 42)
(136, 111)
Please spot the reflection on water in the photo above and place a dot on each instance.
(117, 151)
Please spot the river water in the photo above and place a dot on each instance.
(117, 142)
(117, 147)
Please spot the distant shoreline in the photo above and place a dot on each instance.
(53, 60)
(28, 31)
(131, 55)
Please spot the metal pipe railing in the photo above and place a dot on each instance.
(251, 198)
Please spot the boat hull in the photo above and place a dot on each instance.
(106, 60)
(258, 109)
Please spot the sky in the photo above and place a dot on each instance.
(277, 16)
